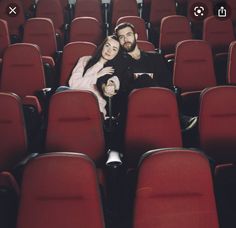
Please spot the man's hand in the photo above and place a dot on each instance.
(104, 71)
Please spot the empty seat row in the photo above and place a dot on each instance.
(179, 193)
(75, 124)
(193, 69)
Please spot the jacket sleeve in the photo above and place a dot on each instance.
(162, 71)
(76, 79)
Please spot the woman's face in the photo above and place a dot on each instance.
(110, 49)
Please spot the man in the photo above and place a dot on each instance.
(143, 69)
(137, 69)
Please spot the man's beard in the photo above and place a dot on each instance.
(131, 47)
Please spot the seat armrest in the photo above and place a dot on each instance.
(32, 100)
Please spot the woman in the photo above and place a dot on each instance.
(89, 68)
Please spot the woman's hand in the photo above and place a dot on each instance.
(104, 71)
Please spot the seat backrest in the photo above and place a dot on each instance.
(41, 31)
(173, 29)
(139, 25)
(152, 122)
(145, 45)
(75, 124)
(16, 21)
(86, 29)
(4, 37)
(13, 146)
(193, 67)
(92, 8)
(160, 9)
(64, 186)
(121, 8)
(175, 189)
(231, 66)
(219, 33)
(71, 53)
(232, 5)
(22, 70)
(54, 12)
(217, 123)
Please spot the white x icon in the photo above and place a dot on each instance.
(12, 10)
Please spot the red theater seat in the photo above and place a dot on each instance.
(15, 22)
(175, 190)
(173, 29)
(54, 12)
(92, 8)
(219, 33)
(13, 146)
(217, 123)
(60, 190)
(231, 77)
(75, 124)
(71, 53)
(4, 37)
(145, 45)
(158, 10)
(22, 71)
(86, 29)
(152, 122)
(41, 31)
(139, 25)
(121, 8)
(193, 71)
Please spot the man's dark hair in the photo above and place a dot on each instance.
(123, 25)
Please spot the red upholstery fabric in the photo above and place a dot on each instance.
(139, 25)
(75, 124)
(86, 29)
(145, 45)
(160, 9)
(232, 63)
(121, 8)
(217, 123)
(14, 23)
(60, 190)
(219, 33)
(92, 8)
(7, 180)
(54, 12)
(193, 68)
(41, 31)
(22, 70)
(173, 29)
(13, 146)
(232, 5)
(4, 37)
(152, 122)
(175, 190)
(71, 53)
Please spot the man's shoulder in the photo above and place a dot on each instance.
(151, 54)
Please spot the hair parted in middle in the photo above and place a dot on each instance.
(98, 53)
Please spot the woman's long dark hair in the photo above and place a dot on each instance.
(98, 53)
